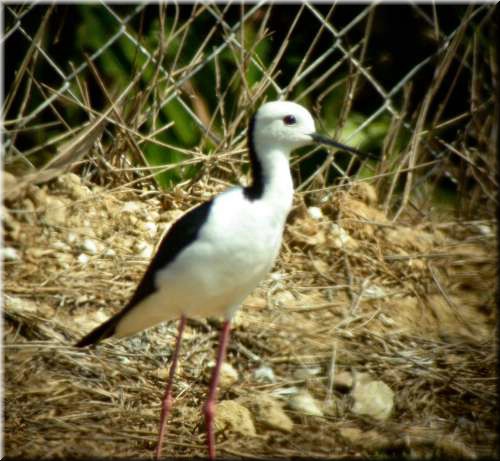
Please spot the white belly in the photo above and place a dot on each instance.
(234, 251)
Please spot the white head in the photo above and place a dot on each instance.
(277, 129)
(283, 125)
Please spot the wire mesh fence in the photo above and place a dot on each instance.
(136, 98)
(177, 81)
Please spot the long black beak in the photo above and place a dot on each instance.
(320, 139)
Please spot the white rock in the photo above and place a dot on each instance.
(243, 180)
(131, 207)
(339, 232)
(100, 317)
(485, 230)
(58, 245)
(264, 374)
(90, 246)
(277, 276)
(145, 249)
(374, 398)
(374, 292)
(86, 223)
(151, 228)
(315, 212)
(13, 303)
(304, 402)
(110, 252)
(228, 374)
(71, 237)
(83, 258)
(340, 237)
(10, 254)
(284, 299)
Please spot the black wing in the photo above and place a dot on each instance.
(182, 233)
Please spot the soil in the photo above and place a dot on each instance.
(354, 297)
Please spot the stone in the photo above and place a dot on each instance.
(340, 238)
(264, 374)
(228, 374)
(303, 402)
(90, 246)
(56, 211)
(10, 254)
(233, 417)
(144, 249)
(268, 412)
(150, 228)
(374, 399)
(83, 259)
(315, 212)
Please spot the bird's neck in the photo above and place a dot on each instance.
(271, 177)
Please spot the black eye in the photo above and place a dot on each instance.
(289, 120)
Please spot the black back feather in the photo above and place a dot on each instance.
(256, 189)
(182, 233)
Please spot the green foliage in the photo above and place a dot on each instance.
(346, 68)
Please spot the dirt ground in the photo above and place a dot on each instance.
(369, 338)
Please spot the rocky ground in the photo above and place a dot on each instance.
(368, 338)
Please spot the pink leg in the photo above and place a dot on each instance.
(209, 408)
(167, 398)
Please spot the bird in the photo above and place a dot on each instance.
(214, 255)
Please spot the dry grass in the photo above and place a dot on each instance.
(415, 311)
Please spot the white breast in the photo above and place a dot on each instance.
(234, 251)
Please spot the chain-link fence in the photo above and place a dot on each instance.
(182, 79)
(134, 98)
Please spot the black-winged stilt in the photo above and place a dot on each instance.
(217, 253)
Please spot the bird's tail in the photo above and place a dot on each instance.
(133, 318)
(103, 331)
